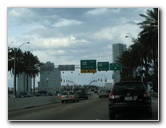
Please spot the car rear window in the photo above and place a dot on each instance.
(67, 93)
(104, 91)
(128, 86)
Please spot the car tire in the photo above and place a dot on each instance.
(149, 114)
(62, 101)
(112, 115)
(75, 100)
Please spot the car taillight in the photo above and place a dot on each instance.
(62, 97)
(146, 94)
(111, 95)
(72, 97)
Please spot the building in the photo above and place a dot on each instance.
(24, 83)
(117, 49)
(50, 77)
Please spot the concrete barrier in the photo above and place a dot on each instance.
(18, 103)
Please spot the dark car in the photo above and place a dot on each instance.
(23, 95)
(129, 97)
(82, 94)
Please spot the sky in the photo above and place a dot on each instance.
(65, 36)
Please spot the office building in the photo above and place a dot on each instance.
(24, 83)
(50, 77)
(117, 49)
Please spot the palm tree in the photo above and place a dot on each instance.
(30, 69)
(15, 63)
(18, 58)
(24, 62)
(149, 37)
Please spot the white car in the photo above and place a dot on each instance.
(103, 93)
(88, 92)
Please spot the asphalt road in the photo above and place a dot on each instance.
(93, 109)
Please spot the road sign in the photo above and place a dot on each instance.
(115, 66)
(88, 66)
(103, 66)
(66, 67)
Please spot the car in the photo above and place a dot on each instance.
(82, 94)
(129, 96)
(88, 92)
(60, 93)
(95, 91)
(68, 96)
(103, 93)
(22, 95)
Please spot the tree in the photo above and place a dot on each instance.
(24, 62)
(149, 38)
(30, 66)
(18, 60)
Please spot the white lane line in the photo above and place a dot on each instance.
(67, 107)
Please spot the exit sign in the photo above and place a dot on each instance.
(115, 66)
(88, 66)
(103, 66)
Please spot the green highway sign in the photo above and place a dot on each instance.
(103, 66)
(88, 66)
(66, 67)
(115, 66)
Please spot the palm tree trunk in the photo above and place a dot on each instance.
(27, 84)
(34, 85)
(14, 90)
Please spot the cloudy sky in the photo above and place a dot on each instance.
(67, 35)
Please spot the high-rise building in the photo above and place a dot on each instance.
(50, 77)
(117, 49)
(24, 83)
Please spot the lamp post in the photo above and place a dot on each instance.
(15, 49)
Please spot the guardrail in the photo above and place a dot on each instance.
(18, 103)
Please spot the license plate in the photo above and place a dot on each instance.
(128, 98)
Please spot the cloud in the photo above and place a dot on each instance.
(20, 16)
(66, 22)
(97, 11)
(103, 11)
(117, 34)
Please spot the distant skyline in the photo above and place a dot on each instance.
(68, 35)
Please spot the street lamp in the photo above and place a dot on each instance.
(14, 87)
